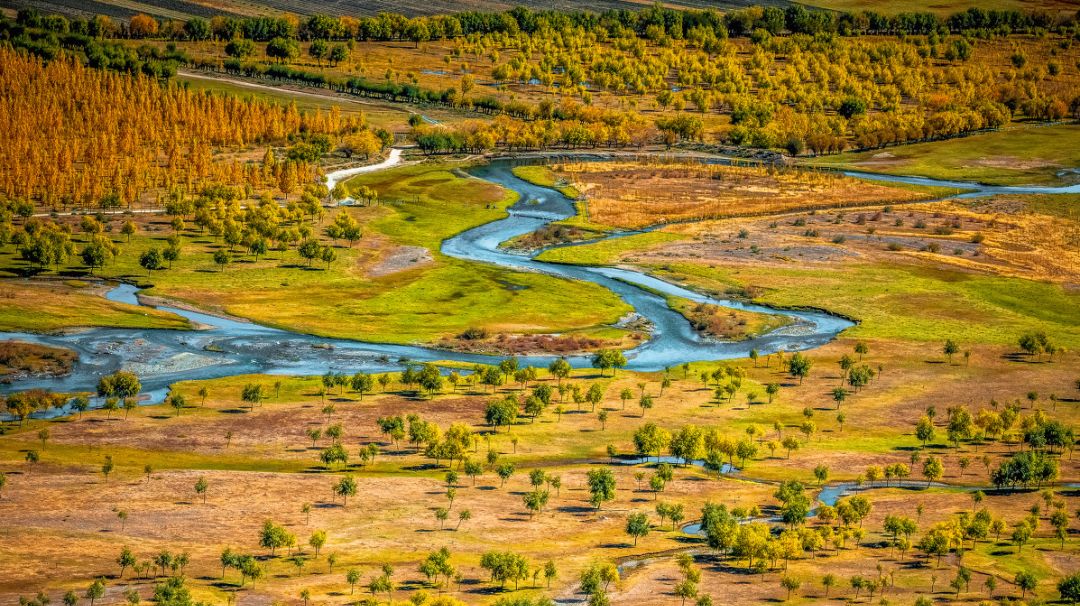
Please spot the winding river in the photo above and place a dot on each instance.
(228, 347)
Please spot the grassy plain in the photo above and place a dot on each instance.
(983, 270)
(545, 176)
(632, 195)
(393, 117)
(267, 468)
(394, 286)
(48, 306)
(872, 263)
(1020, 155)
(941, 7)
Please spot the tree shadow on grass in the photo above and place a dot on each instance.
(575, 509)
(488, 590)
(422, 467)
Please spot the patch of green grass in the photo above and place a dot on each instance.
(1065, 206)
(1014, 156)
(433, 201)
(132, 460)
(907, 302)
(421, 206)
(543, 176)
(607, 251)
(39, 308)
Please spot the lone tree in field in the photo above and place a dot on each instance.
(601, 484)
(771, 390)
(95, 591)
(345, 488)
(560, 369)
(839, 394)
(317, 541)
(352, 577)
(201, 485)
(933, 469)
(646, 402)
(637, 526)
(1069, 588)
(151, 260)
(222, 258)
(501, 412)
(252, 394)
(274, 536)
(177, 401)
(125, 560)
(790, 584)
(950, 349)
(1026, 581)
(504, 472)
(799, 366)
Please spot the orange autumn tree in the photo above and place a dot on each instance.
(74, 136)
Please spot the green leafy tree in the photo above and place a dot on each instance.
(346, 487)
(95, 591)
(125, 560)
(637, 526)
(601, 483)
(950, 349)
(799, 366)
(222, 258)
(151, 260)
(201, 486)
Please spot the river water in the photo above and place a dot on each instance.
(228, 347)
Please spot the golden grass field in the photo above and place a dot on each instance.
(635, 194)
(268, 470)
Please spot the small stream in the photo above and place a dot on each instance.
(229, 347)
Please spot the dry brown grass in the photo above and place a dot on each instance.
(61, 527)
(639, 194)
(21, 359)
(1004, 235)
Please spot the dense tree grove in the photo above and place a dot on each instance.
(808, 81)
(80, 137)
(652, 23)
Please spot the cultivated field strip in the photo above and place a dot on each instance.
(183, 9)
(123, 9)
